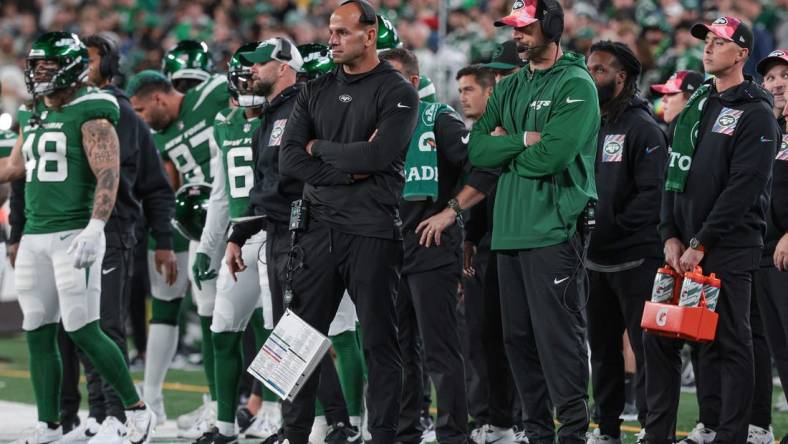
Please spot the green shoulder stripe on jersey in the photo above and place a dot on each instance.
(94, 96)
(207, 88)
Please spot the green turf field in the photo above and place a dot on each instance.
(183, 390)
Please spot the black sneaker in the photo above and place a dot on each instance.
(207, 437)
(244, 418)
(218, 438)
(342, 434)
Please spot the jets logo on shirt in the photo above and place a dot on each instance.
(345, 98)
(613, 148)
(783, 153)
(276, 132)
(727, 121)
(428, 116)
(539, 104)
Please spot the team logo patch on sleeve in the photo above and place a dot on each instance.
(276, 132)
(727, 121)
(613, 148)
(782, 154)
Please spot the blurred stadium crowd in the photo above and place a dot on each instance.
(656, 30)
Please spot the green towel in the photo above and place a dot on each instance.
(421, 162)
(685, 137)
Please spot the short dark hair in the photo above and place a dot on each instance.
(409, 61)
(485, 77)
(147, 82)
(367, 16)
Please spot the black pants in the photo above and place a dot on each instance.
(707, 382)
(502, 392)
(329, 389)
(769, 286)
(731, 353)
(761, 414)
(426, 310)
(469, 323)
(139, 290)
(103, 400)
(544, 333)
(616, 303)
(369, 268)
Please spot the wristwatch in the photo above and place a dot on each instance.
(454, 204)
(696, 245)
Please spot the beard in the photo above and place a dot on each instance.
(262, 88)
(606, 92)
(533, 53)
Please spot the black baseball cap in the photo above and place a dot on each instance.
(505, 57)
(776, 56)
(681, 81)
(726, 28)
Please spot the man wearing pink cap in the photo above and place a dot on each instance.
(770, 280)
(540, 126)
(714, 215)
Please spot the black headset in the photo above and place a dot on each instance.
(551, 18)
(108, 50)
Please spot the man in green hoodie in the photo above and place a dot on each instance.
(540, 127)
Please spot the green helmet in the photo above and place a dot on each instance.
(426, 89)
(72, 58)
(239, 78)
(191, 209)
(387, 34)
(317, 60)
(189, 59)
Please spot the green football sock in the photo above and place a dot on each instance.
(207, 354)
(108, 360)
(260, 336)
(319, 409)
(46, 371)
(229, 364)
(360, 342)
(350, 368)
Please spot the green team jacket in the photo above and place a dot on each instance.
(543, 188)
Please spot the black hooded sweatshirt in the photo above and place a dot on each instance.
(777, 216)
(341, 112)
(632, 154)
(726, 196)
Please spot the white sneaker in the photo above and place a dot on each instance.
(203, 424)
(640, 438)
(111, 431)
(478, 434)
(596, 437)
(758, 435)
(520, 437)
(266, 424)
(41, 434)
(188, 420)
(83, 433)
(492, 434)
(157, 406)
(319, 430)
(699, 435)
(140, 425)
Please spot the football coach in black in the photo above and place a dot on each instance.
(346, 140)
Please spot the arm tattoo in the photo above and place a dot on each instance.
(103, 152)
